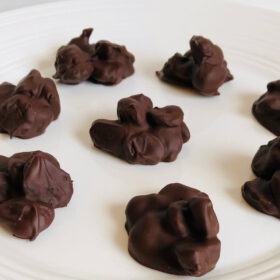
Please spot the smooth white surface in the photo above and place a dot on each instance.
(87, 239)
(15, 4)
(266, 4)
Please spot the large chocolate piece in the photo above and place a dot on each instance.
(267, 108)
(104, 62)
(264, 195)
(142, 134)
(24, 218)
(28, 108)
(174, 231)
(202, 68)
(32, 184)
(267, 159)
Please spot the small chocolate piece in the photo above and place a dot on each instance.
(142, 134)
(104, 62)
(202, 68)
(26, 219)
(267, 159)
(267, 108)
(40, 178)
(28, 108)
(264, 195)
(31, 186)
(73, 65)
(174, 231)
(83, 41)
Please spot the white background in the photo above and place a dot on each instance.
(14, 4)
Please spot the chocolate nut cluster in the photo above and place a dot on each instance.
(174, 231)
(32, 184)
(202, 68)
(28, 108)
(143, 134)
(103, 62)
(263, 193)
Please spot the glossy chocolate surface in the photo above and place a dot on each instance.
(202, 68)
(263, 193)
(24, 218)
(40, 178)
(174, 231)
(103, 62)
(267, 108)
(32, 184)
(28, 108)
(267, 159)
(143, 134)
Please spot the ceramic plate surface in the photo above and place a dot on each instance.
(87, 240)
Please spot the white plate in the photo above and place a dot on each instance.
(87, 240)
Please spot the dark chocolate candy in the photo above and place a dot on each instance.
(142, 134)
(3, 164)
(267, 159)
(264, 195)
(202, 68)
(28, 108)
(104, 62)
(72, 65)
(5, 189)
(32, 184)
(40, 178)
(24, 218)
(267, 108)
(174, 231)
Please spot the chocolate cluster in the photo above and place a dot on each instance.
(267, 108)
(142, 134)
(28, 108)
(263, 193)
(174, 231)
(32, 184)
(202, 68)
(103, 62)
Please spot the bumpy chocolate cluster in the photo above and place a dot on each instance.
(28, 108)
(104, 62)
(263, 193)
(174, 231)
(32, 184)
(142, 134)
(202, 68)
(267, 108)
